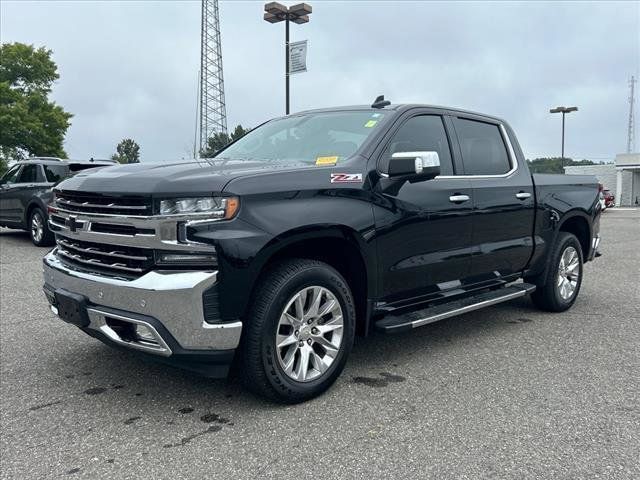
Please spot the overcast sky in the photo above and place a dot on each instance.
(129, 69)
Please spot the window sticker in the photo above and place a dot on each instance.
(327, 160)
(370, 124)
(376, 115)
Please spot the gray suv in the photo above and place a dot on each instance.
(27, 188)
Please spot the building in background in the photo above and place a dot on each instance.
(621, 177)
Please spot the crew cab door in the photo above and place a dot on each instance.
(503, 199)
(423, 228)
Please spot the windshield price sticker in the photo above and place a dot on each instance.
(326, 160)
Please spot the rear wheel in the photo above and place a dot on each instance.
(39, 231)
(558, 290)
(299, 332)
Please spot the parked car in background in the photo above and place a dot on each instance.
(27, 188)
(609, 198)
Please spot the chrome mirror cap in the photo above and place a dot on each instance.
(421, 160)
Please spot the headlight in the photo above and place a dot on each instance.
(223, 208)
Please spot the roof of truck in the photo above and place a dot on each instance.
(401, 107)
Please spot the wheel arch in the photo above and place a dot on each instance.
(578, 223)
(339, 246)
(31, 206)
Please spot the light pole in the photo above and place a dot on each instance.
(564, 111)
(276, 12)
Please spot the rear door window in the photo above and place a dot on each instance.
(483, 148)
(55, 173)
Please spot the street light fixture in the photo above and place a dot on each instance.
(564, 111)
(276, 12)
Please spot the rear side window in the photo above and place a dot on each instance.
(55, 173)
(424, 133)
(483, 149)
(30, 174)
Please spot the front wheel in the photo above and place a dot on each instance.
(299, 331)
(559, 290)
(39, 231)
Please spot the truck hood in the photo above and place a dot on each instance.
(158, 179)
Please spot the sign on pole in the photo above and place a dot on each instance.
(297, 57)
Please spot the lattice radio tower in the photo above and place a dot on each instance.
(631, 132)
(213, 114)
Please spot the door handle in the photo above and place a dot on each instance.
(458, 198)
(523, 195)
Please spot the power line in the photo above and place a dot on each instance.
(213, 114)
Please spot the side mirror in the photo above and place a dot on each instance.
(417, 164)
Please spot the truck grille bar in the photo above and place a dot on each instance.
(105, 258)
(83, 202)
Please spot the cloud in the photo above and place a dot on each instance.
(129, 69)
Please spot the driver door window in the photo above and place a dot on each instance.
(424, 133)
(11, 176)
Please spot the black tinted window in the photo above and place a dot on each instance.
(425, 133)
(55, 173)
(483, 149)
(30, 174)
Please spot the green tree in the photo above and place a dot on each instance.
(220, 140)
(30, 124)
(554, 164)
(127, 151)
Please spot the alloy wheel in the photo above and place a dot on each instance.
(37, 227)
(309, 333)
(568, 273)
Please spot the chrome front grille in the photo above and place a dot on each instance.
(85, 202)
(115, 236)
(111, 259)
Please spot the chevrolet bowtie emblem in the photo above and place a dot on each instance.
(72, 224)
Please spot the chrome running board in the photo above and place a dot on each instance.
(418, 318)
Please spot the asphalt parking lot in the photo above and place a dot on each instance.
(506, 392)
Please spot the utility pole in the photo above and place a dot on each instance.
(563, 110)
(213, 113)
(276, 12)
(631, 133)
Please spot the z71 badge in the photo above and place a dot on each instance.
(346, 178)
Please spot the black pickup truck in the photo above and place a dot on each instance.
(309, 230)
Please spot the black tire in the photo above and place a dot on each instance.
(46, 239)
(547, 295)
(259, 368)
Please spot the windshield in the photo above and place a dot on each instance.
(315, 138)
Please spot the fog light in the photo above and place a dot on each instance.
(144, 334)
(187, 259)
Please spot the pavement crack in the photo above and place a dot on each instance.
(185, 440)
(45, 405)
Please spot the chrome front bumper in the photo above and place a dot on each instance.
(172, 298)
